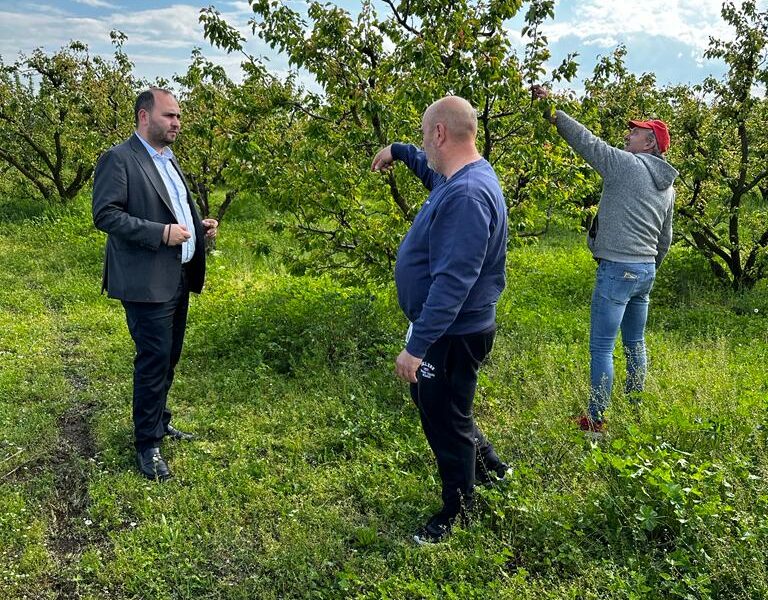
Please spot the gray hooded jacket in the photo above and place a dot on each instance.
(634, 218)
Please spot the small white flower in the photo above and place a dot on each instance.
(88, 522)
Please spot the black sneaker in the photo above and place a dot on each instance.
(436, 530)
(490, 477)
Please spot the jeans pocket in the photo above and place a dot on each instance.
(622, 285)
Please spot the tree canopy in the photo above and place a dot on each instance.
(59, 112)
(305, 153)
(378, 72)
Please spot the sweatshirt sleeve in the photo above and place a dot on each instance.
(665, 238)
(416, 160)
(458, 242)
(601, 156)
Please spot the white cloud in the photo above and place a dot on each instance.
(33, 8)
(96, 3)
(164, 36)
(674, 34)
(601, 42)
(173, 26)
(513, 33)
(690, 22)
(157, 37)
(23, 32)
(240, 7)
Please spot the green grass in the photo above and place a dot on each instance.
(311, 471)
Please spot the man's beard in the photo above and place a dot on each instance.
(432, 164)
(160, 136)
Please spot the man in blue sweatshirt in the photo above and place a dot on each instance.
(449, 273)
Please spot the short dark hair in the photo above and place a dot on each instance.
(146, 101)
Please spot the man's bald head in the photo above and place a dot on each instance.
(458, 116)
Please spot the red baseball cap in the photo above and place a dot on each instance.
(660, 130)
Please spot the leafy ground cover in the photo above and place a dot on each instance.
(311, 472)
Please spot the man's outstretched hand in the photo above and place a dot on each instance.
(539, 92)
(383, 159)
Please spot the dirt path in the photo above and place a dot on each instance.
(72, 462)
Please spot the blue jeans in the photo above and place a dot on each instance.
(619, 301)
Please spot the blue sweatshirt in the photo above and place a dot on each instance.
(450, 267)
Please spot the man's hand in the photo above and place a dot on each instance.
(176, 234)
(383, 159)
(211, 227)
(539, 92)
(406, 366)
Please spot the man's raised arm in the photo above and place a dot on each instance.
(414, 158)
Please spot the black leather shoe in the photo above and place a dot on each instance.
(176, 434)
(152, 465)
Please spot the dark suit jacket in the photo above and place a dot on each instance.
(131, 204)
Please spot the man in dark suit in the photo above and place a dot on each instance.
(155, 256)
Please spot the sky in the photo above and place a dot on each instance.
(666, 37)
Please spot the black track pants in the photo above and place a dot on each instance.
(447, 380)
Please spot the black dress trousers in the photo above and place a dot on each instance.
(157, 329)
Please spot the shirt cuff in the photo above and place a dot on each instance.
(417, 347)
(399, 151)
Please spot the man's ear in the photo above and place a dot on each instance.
(441, 132)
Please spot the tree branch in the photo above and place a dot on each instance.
(228, 198)
(402, 19)
(756, 181)
(27, 138)
(708, 238)
(24, 171)
(82, 175)
(705, 246)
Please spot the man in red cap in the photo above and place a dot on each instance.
(629, 238)
(656, 134)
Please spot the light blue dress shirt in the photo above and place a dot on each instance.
(177, 193)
